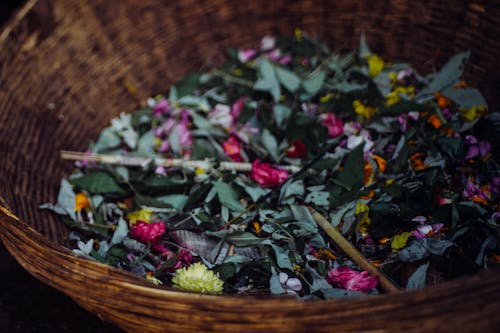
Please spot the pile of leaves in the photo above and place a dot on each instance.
(403, 165)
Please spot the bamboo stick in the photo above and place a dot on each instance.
(166, 162)
(385, 283)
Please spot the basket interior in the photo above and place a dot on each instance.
(68, 67)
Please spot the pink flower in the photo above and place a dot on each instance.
(335, 126)
(297, 149)
(232, 148)
(426, 230)
(162, 107)
(246, 55)
(236, 109)
(349, 279)
(266, 175)
(147, 232)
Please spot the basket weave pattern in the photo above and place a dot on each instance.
(67, 67)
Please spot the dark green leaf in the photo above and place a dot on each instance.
(353, 172)
(227, 196)
(98, 182)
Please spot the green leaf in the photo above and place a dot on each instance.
(287, 78)
(145, 145)
(187, 85)
(255, 192)
(66, 198)
(318, 198)
(290, 191)
(313, 84)
(281, 115)
(98, 182)
(195, 102)
(177, 201)
(120, 232)
(417, 279)
(465, 98)
(282, 258)
(364, 50)
(108, 139)
(270, 143)
(353, 172)
(268, 80)
(242, 239)
(227, 196)
(447, 76)
(302, 214)
(274, 283)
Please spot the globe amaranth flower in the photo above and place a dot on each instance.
(232, 148)
(297, 149)
(335, 126)
(266, 175)
(149, 233)
(198, 278)
(349, 279)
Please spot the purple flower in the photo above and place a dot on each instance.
(477, 148)
(162, 107)
(494, 185)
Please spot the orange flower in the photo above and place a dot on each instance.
(325, 254)
(368, 196)
(435, 121)
(381, 162)
(417, 162)
(442, 101)
(81, 201)
(368, 173)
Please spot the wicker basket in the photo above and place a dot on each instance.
(67, 67)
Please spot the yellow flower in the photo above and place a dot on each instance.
(326, 98)
(399, 241)
(363, 110)
(395, 96)
(198, 278)
(139, 215)
(299, 34)
(375, 65)
(364, 221)
(472, 113)
(151, 278)
(81, 201)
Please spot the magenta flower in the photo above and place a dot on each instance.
(349, 279)
(236, 109)
(149, 233)
(426, 230)
(184, 259)
(266, 175)
(335, 126)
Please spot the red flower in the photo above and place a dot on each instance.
(297, 149)
(266, 175)
(349, 279)
(147, 232)
(232, 148)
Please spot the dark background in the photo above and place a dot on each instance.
(26, 304)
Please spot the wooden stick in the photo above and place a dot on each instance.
(166, 162)
(353, 253)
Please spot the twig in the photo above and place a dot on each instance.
(353, 253)
(165, 162)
